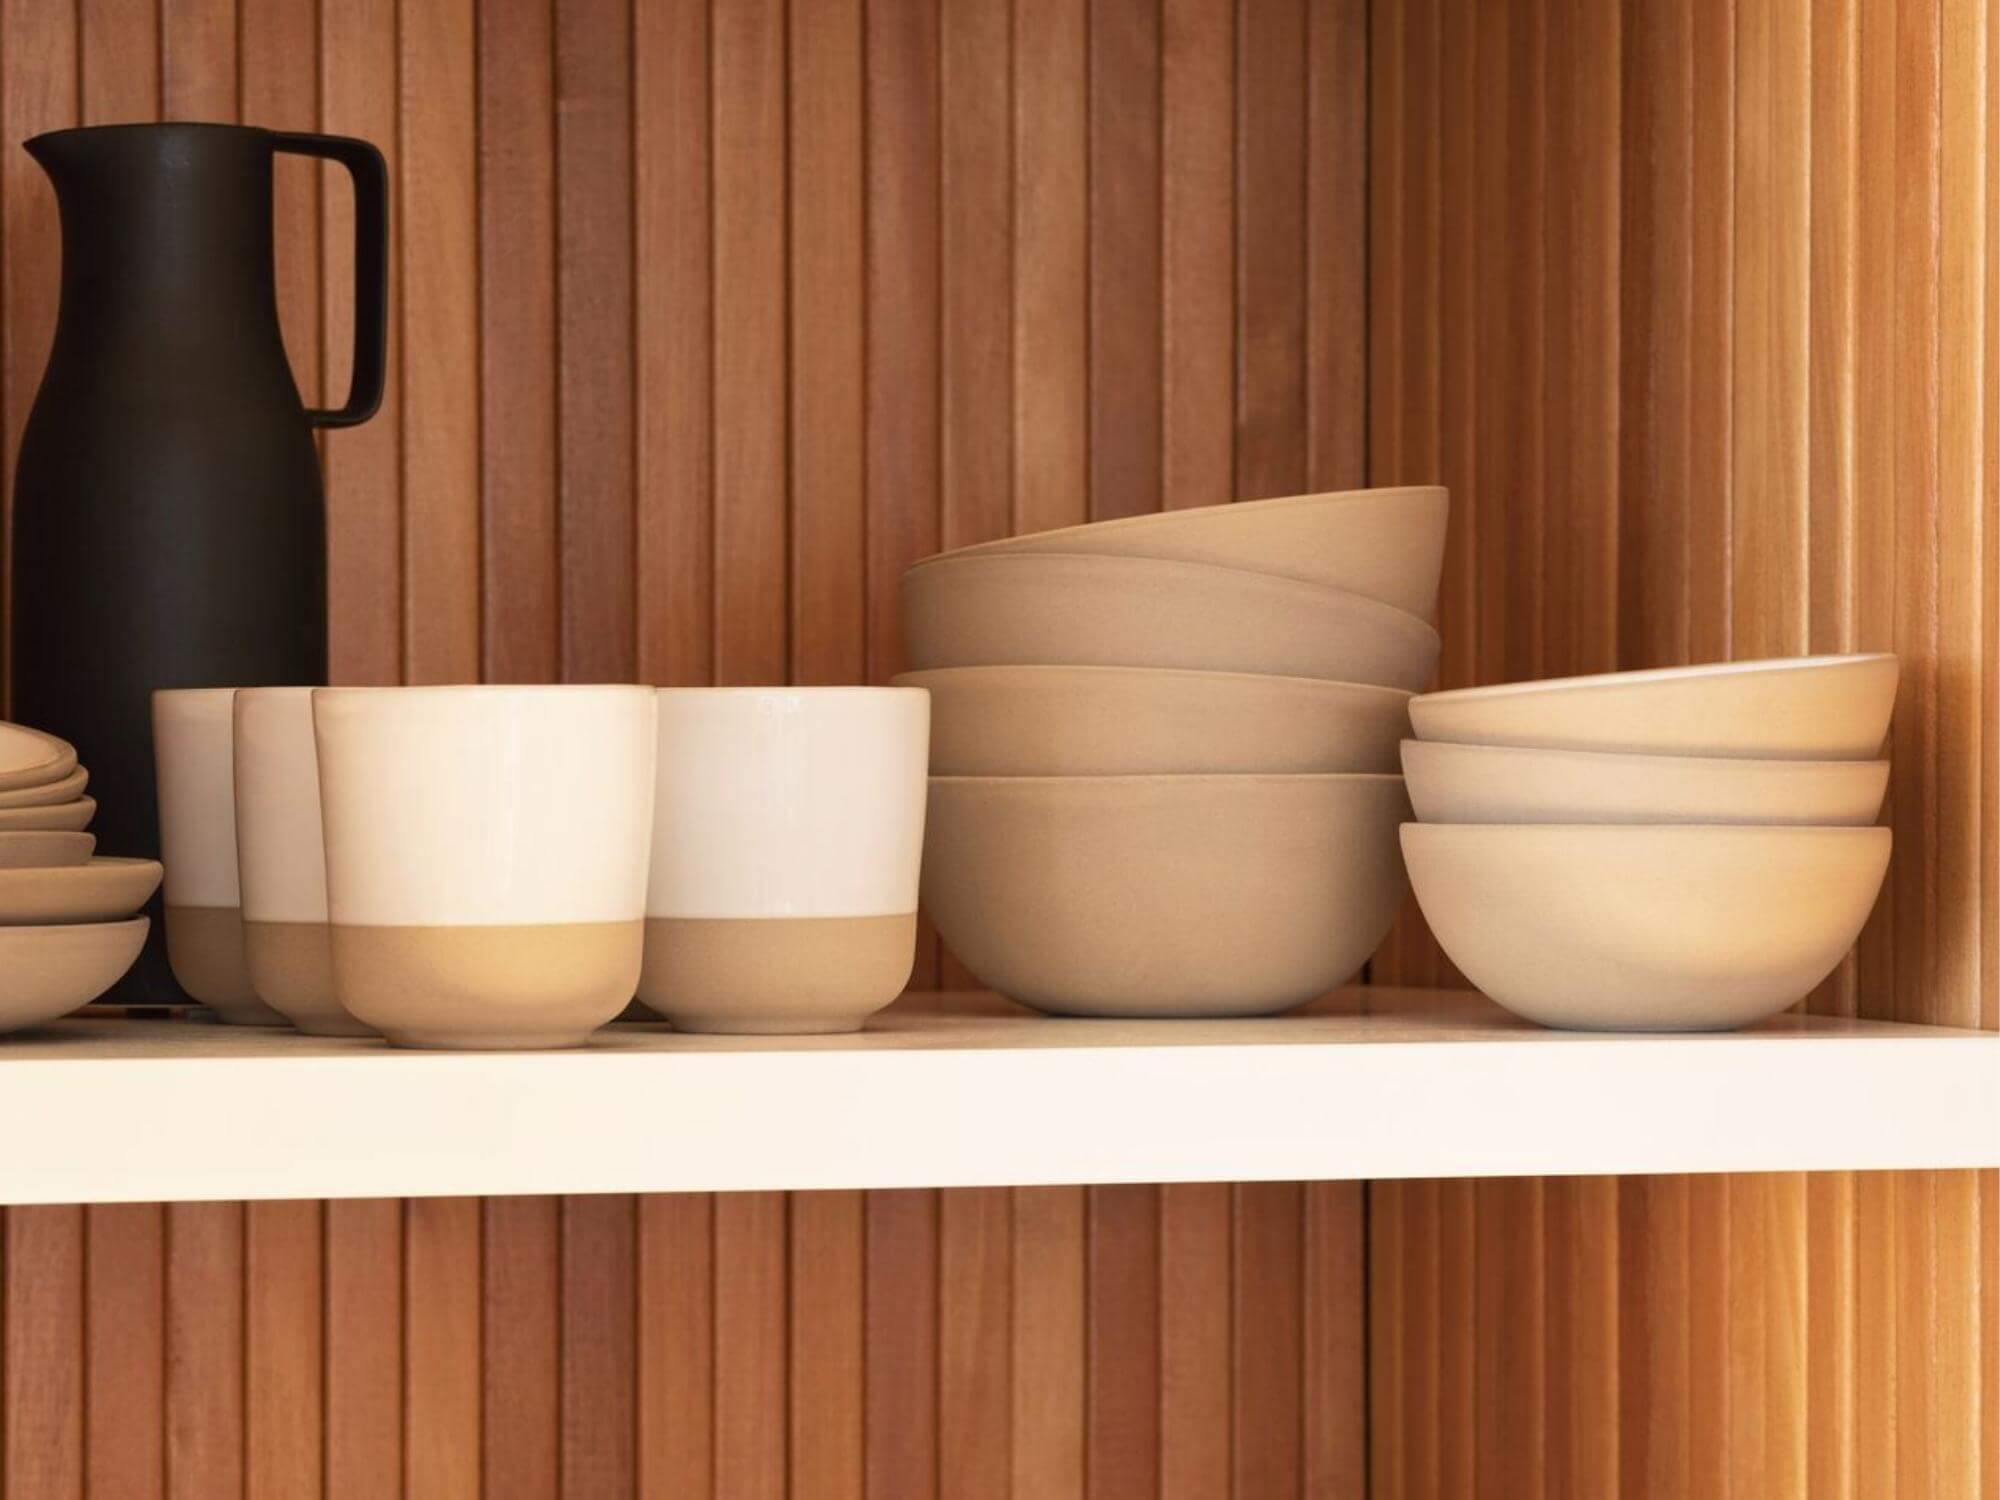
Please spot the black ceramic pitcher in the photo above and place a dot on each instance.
(169, 522)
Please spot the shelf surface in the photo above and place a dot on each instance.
(1368, 1084)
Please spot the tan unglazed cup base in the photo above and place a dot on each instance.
(487, 988)
(775, 976)
(291, 968)
(205, 951)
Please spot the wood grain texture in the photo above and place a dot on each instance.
(1724, 376)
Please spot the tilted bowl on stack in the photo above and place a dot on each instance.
(1685, 849)
(69, 922)
(1163, 754)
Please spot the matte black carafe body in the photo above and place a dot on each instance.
(169, 519)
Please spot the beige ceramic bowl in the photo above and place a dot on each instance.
(46, 972)
(1387, 544)
(1504, 784)
(104, 890)
(1125, 721)
(62, 789)
(44, 850)
(64, 817)
(28, 757)
(1004, 609)
(1163, 895)
(1792, 708)
(1690, 928)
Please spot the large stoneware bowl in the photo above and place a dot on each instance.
(1611, 928)
(1126, 721)
(1387, 544)
(1036, 609)
(1163, 895)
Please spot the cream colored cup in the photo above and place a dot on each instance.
(486, 857)
(281, 861)
(194, 753)
(788, 828)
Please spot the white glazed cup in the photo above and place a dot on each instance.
(788, 829)
(486, 858)
(193, 754)
(281, 861)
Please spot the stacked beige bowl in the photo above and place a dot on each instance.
(1687, 849)
(69, 926)
(1163, 756)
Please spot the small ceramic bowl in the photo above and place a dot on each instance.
(1503, 784)
(104, 890)
(1005, 609)
(62, 789)
(1387, 544)
(1163, 895)
(29, 757)
(1606, 928)
(1791, 708)
(1136, 721)
(44, 850)
(64, 817)
(46, 972)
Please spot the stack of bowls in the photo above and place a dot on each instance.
(68, 922)
(1163, 774)
(1687, 849)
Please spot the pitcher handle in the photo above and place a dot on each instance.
(371, 268)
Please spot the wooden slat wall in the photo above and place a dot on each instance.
(1696, 308)
(710, 316)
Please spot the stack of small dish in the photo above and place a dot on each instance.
(1163, 748)
(68, 923)
(1688, 849)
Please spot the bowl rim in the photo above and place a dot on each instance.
(1195, 512)
(1389, 615)
(11, 933)
(1850, 660)
(1648, 761)
(1315, 684)
(1155, 778)
(1677, 832)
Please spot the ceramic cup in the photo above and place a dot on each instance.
(281, 859)
(788, 828)
(193, 748)
(486, 853)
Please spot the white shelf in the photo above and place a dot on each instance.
(1373, 1084)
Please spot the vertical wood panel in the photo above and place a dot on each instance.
(674, 311)
(364, 1349)
(750, 1316)
(198, 59)
(118, 45)
(284, 1349)
(599, 1347)
(901, 1357)
(279, 88)
(594, 305)
(520, 1340)
(441, 1349)
(1195, 1261)
(975, 1356)
(125, 1349)
(676, 1345)
(1269, 1354)
(205, 1370)
(1049, 1343)
(42, 1353)
(519, 601)
(363, 466)
(438, 272)
(748, 68)
(1123, 174)
(827, 1330)
(1122, 1415)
